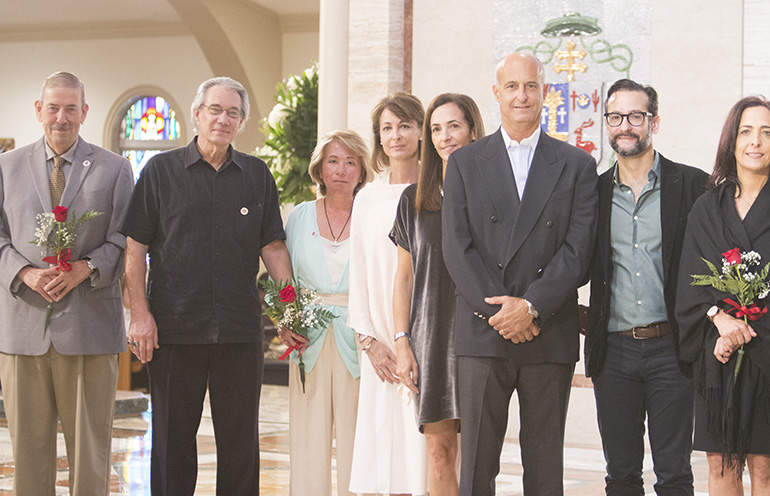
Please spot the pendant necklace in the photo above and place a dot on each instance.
(335, 243)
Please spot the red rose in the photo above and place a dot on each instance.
(288, 295)
(60, 213)
(733, 256)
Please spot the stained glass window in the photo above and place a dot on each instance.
(149, 127)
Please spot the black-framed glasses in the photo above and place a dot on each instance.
(216, 110)
(636, 119)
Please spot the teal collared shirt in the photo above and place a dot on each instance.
(636, 297)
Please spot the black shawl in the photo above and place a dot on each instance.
(713, 228)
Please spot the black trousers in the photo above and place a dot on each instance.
(179, 375)
(485, 386)
(641, 378)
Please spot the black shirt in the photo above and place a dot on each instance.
(205, 230)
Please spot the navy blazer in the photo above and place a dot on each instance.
(538, 248)
(680, 186)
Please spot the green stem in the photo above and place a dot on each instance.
(58, 243)
(739, 359)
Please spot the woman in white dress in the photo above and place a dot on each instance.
(389, 455)
(317, 236)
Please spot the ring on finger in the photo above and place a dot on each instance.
(133, 343)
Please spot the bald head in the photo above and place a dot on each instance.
(520, 90)
(520, 57)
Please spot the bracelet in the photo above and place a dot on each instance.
(368, 345)
(400, 335)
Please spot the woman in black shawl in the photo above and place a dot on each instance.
(732, 413)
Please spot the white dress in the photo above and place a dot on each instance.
(389, 455)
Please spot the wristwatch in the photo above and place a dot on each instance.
(534, 313)
(712, 312)
(91, 265)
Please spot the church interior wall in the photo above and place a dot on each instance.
(107, 67)
(452, 52)
(697, 68)
(702, 56)
(300, 51)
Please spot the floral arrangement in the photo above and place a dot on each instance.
(741, 277)
(55, 234)
(290, 136)
(296, 309)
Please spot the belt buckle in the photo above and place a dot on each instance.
(633, 333)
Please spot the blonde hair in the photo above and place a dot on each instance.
(352, 142)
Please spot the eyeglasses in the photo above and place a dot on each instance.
(215, 110)
(636, 119)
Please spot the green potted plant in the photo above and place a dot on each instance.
(290, 135)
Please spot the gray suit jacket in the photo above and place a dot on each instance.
(89, 320)
(538, 248)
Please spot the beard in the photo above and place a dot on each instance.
(641, 144)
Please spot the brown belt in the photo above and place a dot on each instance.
(656, 330)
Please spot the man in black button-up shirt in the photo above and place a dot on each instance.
(205, 214)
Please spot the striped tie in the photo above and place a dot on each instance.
(57, 180)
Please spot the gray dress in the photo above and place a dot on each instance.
(432, 311)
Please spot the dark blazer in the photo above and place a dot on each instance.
(680, 186)
(538, 249)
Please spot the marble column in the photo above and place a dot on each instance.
(333, 66)
(376, 49)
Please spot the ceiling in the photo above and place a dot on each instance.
(30, 14)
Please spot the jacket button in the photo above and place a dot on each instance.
(549, 223)
(500, 266)
(493, 218)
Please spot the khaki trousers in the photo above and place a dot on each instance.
(79, 391)
(329, 404)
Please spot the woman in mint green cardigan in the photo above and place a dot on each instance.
(317, 235)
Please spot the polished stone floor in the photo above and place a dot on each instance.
(583, 475)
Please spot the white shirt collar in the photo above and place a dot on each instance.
(531, 141)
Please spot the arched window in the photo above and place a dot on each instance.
(144, 125)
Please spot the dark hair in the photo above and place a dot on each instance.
(629, 85)
(404, 106)
(431, 165)
(725, 168)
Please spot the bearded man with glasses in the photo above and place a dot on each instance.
(205, 213)
(632, 345)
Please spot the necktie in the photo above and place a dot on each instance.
(57, 180)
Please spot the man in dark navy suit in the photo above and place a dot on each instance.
(519, 218)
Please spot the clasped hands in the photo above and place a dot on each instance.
(52, 284)
(513, 321)
(733, 333)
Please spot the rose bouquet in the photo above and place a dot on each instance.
(296, 309)
(57, 235)
(741, 277)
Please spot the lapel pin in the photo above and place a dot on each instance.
(244, 211)
(86, 163)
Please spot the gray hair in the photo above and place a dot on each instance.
(499, 68)
(228, 83)
(63, 79)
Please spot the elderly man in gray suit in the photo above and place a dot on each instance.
(68, 370)
(519, 219)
